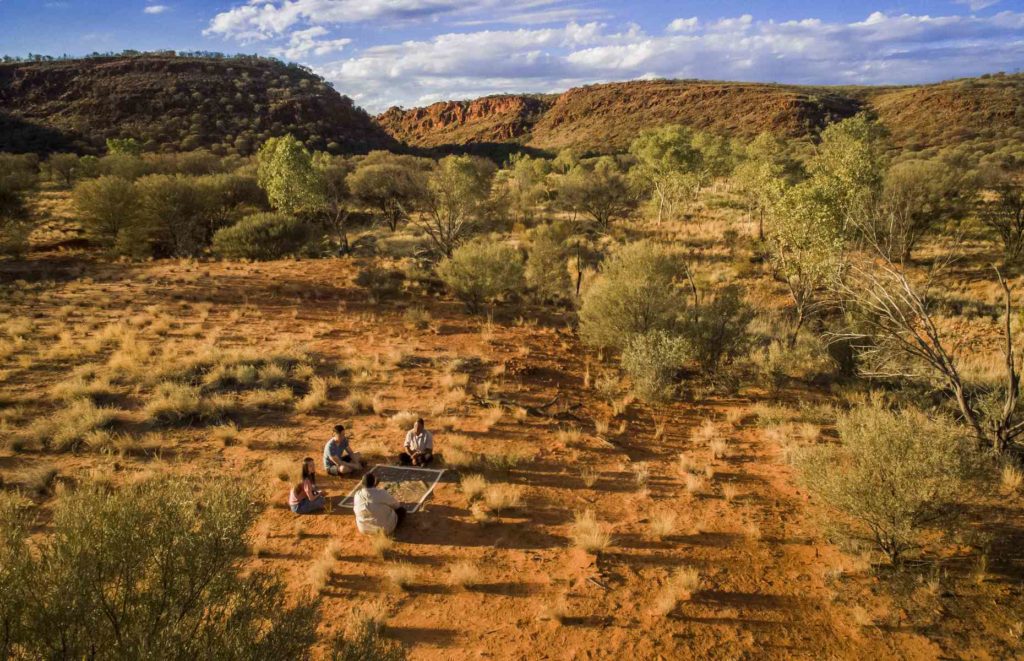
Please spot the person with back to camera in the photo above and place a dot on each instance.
(419, 446)
(377, 511)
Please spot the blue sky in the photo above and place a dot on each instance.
(413, 52)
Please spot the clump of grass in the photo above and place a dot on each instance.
(473, 486)
(730, 491)
(401, 575)
(659, 430)
(719, 448)
(67, 429)
(320, 573)
(704, 433)
(480, 513)
(641, 474)
(174, 403)
(319, 387)
(735, 416)
(458, 457)
(416, 317)
(278, 398)
(380, 544)
(685, 464)
(272, 375)
(753, 531)
(1011, 477)
(227, 434)
(492, 416)
(601, 426)
(40, 480)
(569, 435)
(588, 534)
(451, 380)
(590, 476)
(681, 586)
(403, 420)
(555, 611)
(507, 460)
(501, 497)
(358, 402)
(663, 524)
(463, 574)
(695, 484)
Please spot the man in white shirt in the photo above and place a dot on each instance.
(419, 446)
(377, 511)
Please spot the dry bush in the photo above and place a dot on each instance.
(569, 435)
(719, 448)
(380, 544)
(272, 375)
(458, 457)
(1011, 478)
(463, 574)
(753, 531)
(67, 428)
(730, 491)
(685, 464)
(285, 470)
(84, 385)
(319, 387)
(679, 587)
(451, 380)
(320, 573)
(225, 434)
(590, 476)
(663, 524)
(403, 420)
(506, 460)
(705, 433)
(735, 416)
(601, 426)
(401, 575)
(641, 474)
(501, 497)
(588, 534)
(695, 484)
(473, 486)
(39, 480)
(480, 513)
(555, 611)
(278, 398)
(174, 403)
(520, 414)
(358, 402)
(493, 416)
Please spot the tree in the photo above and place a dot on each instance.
(652, 360)
(1003, 212)
(262, 236)
(805, 246)
(916, 197)
(600, 191)
(62, 167)
(891, 326)
(17, 175)
(667, 162)
(334, 172)
(389, 184)
(285, 171)
(893, 475)
(526, 182)
(127, 146)
(176, 213)
(717, 329)
(457, 191)
(151, 569)
(480, 271)
(634, 294)
(762, 175)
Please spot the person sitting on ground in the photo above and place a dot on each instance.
(377, 511)
(305, 497)
(339, 457)
(419, 446)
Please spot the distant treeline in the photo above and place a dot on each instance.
(197, 54)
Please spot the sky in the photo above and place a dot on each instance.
(415, 52)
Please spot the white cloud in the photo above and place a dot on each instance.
(155, 9)
(977, 5)
(303, 43)
(881, 48)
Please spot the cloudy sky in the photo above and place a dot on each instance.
(414, 52)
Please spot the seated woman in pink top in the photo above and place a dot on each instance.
(305, 497)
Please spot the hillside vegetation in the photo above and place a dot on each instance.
(171, 103)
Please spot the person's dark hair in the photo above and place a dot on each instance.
(369, 480)
(419, 421)
(308, 469)
(339, 428)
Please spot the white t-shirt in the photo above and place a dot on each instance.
(422, 442)
(375, 511)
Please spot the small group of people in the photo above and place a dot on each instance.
(376, 510)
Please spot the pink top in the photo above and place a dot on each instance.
(305, 490)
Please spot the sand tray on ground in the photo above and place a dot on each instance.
(409, 484)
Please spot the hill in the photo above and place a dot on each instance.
(605, 118)
(171, 102)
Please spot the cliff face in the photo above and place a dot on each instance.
(175, 103)
(489, 119)
(605, 118)
(987, 111)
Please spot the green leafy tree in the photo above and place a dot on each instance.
(284, 169)
(481, 271)
(128, 146)
(635, 293)
(63, 167)
(389, 184)
(456, 200)
(652, 360)
(599, 190)
(762, 175)
(150, 570)
(717, 329)
(1002, 212)
(667, 163)
(108, 208)
(178, 214)
(526, 181)
(334, 172)
(847, 168)
(547, 272)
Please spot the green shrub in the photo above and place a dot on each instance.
(142, 572)
(268, 235)
(636, 293)
(380, 282)
(108, 209)
(546, 272)
(480, 271)
(176, 214)
(892, 477)
(718, 331)
(652, 360)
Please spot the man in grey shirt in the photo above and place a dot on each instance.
(419, 446)
(339, 457)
